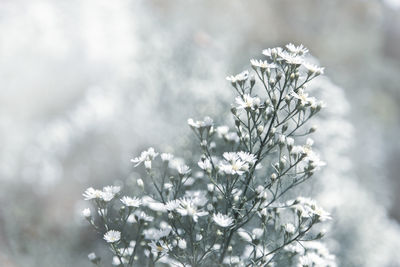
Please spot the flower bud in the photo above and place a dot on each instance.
(274, 101)
(259, 189)
(182, 244)
(271, 82)
(270, 143)
(272, 131)
(203, 144)
(147, 164)
(86, 213)
(210, 187)
(282, 163)
(260, 129)
(252, 80)
(93, 258)
(282, 140)
(289, 143)
(237, 123)
(140, 183)
(284, 127)
(287, 99)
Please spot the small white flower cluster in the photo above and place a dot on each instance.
(312, 253)
(308, 208)
(231, 210)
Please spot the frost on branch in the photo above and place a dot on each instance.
(237, 211)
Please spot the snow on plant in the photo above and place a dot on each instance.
(234, 210)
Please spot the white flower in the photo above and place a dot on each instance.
(303, 97)
(112, 236)
(86, 213)
(222, 131)
(92, 193)
(321, 214)
(112, 189)
(262, 64)
(222, 220)
(142, 216)
(159, 247)
(313, 69)
(131, 202)
(166, 156)
(147, 155)
(172, 205)
(241, 77)
(298, 50)
(206, 122)
(236, 163)
(247, 157)
(109, 192)
(183, 170)
(107, 196)
(205, 165)
(291, 59)
(272, 52)
(247, 102)
(188, 208)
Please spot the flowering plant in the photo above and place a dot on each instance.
(235, 210)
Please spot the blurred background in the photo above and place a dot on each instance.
(86, 85)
